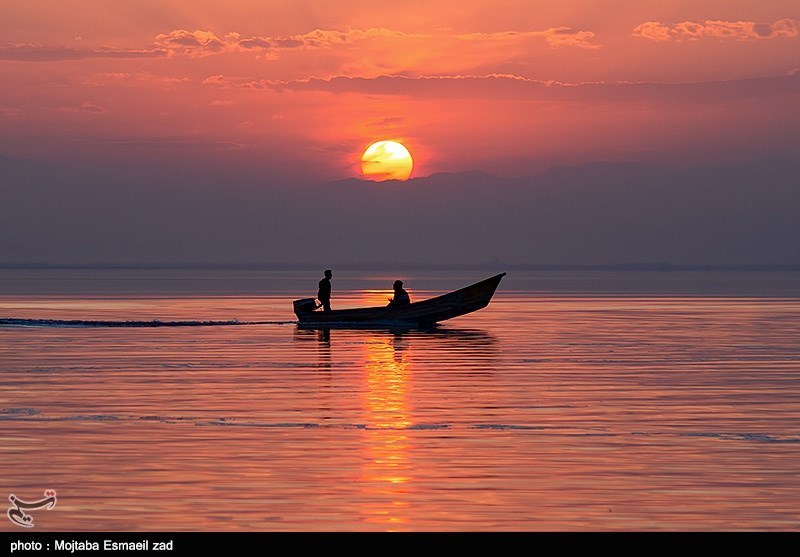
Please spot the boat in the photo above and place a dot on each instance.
(417, 314)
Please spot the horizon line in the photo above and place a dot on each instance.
(384, 266)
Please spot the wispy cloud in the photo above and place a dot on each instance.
(134, 79)
(172, 143)
(87, 107)
(226, 82)
(734, 30)
(31, 52)
(554, 37)
(500, 86)
(383, 84)
(93, 108)
(383, 123)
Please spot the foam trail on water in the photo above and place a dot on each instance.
(82, 323)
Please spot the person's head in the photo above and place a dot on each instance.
(398, 284)
(328, 273)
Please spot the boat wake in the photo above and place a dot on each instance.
(82, 323)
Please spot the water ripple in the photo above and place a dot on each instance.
(567, 413)
(83, 323)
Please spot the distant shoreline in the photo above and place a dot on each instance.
(379, 266)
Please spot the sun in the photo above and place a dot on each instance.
(386, 160)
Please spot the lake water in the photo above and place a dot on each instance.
(669, 403)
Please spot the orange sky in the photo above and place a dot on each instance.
(301, 88)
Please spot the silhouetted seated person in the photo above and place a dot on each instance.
(401, 297)
(324, 292)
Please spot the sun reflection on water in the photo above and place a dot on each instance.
(387, 472)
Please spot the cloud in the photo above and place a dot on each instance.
(653, 30)
(134, 79)
(180, 42)
(734, 30)
(320, 38)
(87, 107)
(177, 143)
(390, 122)
(204, 42)
(554, 36)
(30, 52)
(200, 43)
(225, 82)
(383, 84)
(93, 108)
(195, 44)
(513, 87)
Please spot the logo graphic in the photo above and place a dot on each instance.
(17, 514)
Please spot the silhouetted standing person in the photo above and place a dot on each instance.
(324, 292)
(401, 297)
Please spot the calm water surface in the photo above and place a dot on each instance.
(538, 413)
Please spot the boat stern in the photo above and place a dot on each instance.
(304, 306)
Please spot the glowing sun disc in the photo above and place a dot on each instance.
(386, 160)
